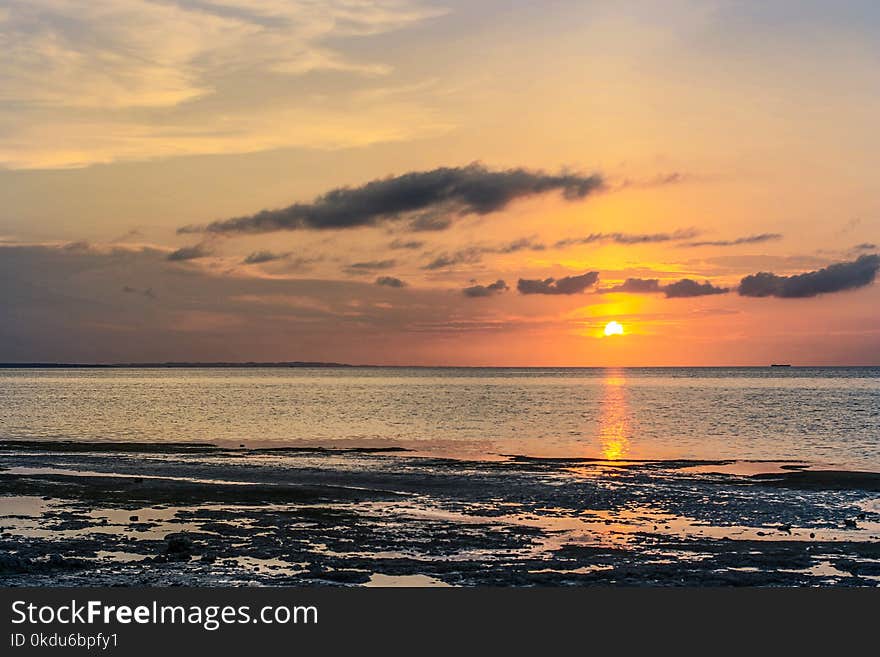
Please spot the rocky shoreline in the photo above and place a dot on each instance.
(75, 514)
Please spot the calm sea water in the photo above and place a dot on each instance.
(820, 415)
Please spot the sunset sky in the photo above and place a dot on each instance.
(440, 182)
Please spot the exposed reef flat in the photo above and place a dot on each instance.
(196, 514)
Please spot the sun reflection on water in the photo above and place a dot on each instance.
(614, 429)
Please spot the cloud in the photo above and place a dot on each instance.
(390, 281)
(636, 286)
(690, 288)
(133, 290)
(132, 235)
(567, 285)
(522, 244)
(301, 263)
(290, 264)
(67, 306)
(748, 239)
(406, 244)
(724, 265)
(628, 238)
(474, 254)
(430, 221)
(463, 257)
(258, 257)
(834, 278)
(441, 195)
(677, 290)
(190, 253)
(105, 80)
(478, 291)
(660, 180)
(369, 266)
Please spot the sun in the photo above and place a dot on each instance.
(613, 328)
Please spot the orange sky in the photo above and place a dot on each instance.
(730, 138)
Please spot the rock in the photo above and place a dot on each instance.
(9, 563)
(134, 518)
(343, 576)
(785, 528)
(179, 544)
(58, 561)
(812, 534)
(242, 445)
(850, 523)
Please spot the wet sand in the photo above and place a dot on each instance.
(194, 514)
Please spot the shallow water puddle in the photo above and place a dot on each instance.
(30, 471)
(410, 581)
(272, 566)
(23, 505)
(747, 468)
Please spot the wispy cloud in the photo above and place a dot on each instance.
(133, 290)
(628, 238)
(106, 80)
(659, 180)
(406, 244)
(748, 239)
(474, 254)
(259, 257)
(467, 256)
(190, 253)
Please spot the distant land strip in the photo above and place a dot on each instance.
(171, 365)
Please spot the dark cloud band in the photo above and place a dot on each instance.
(687, 287)
(567, 285)
(428, 199)
(636, 286)
(481, 291)
(683, 288)
(390, 281)
(834, 278)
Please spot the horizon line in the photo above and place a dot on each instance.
(337, 365)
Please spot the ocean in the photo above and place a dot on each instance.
(821, 416)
